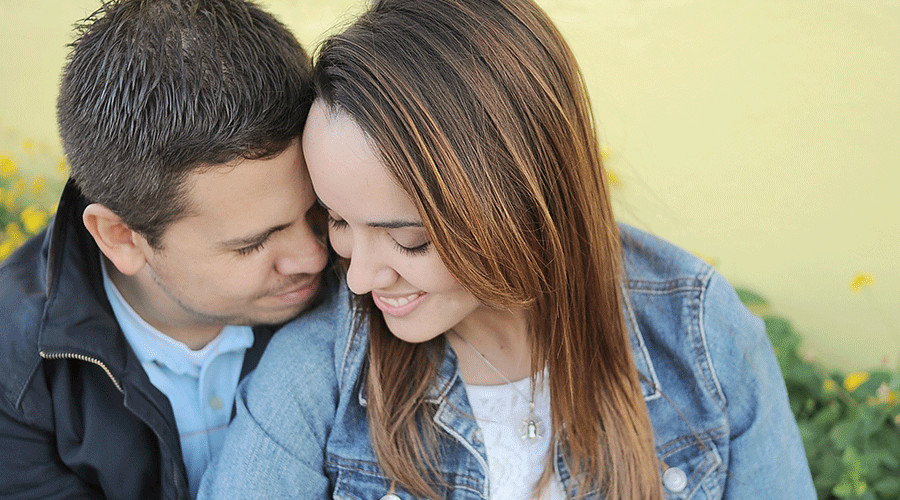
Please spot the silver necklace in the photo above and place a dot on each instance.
(532, 427)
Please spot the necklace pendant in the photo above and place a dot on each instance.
(532, 428)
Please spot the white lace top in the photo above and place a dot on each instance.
(515, 464)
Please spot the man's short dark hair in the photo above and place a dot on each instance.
(154, 89)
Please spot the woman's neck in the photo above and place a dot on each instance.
(501, 336)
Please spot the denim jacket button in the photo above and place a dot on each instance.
(390, 496)
(674, 479)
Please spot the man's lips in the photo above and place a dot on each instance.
(298, 294)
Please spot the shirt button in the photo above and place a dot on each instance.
(390, 496)
(674, 479)
(215, 402)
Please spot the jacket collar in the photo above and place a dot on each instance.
(77, 316)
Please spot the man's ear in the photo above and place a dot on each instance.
(123, 246)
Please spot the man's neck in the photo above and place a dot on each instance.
(168, 320)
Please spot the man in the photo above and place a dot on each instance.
(188, 217)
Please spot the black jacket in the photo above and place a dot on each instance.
(78, 416)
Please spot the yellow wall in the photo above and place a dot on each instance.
(761, 134)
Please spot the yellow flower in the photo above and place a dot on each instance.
(28, 145)
(860, 281)
(12, 195)
(614, 180)
(33, 219)
(854, 380)
(39, 185)
(15, 234)
(9, 199)
(829, 386)
(8, 167)
(6, 248)
(886, 395)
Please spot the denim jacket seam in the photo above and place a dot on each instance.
(352, 334)
(710, 460)
(443, 408)
(681, 283)
(374, 470)
(706, 365)
(683, 442)
(653, 378)
(701, 473)
(441, 396)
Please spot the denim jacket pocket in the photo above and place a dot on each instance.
(692, 468)
(365, 480)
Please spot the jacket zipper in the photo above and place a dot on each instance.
(95, 361)
(82, 357)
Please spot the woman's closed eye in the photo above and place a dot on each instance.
(336, 223)
(251, 248)
(407, 244)
(413, 250)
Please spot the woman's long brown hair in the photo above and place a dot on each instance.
(479, 110)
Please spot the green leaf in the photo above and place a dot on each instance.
(827, 416)
(843, 434)
(888, 487)
(842, 489)
(878, 457)
(782, 335)
(750, 298)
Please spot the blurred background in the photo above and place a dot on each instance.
(759, 134)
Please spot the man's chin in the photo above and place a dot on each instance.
(283, 315)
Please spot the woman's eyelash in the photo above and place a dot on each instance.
(252, 248)
(335, 223)
(418, 250)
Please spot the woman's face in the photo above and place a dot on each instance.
(373, 223)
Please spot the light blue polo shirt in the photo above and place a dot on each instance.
(200, 384)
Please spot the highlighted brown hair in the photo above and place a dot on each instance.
(478, 109)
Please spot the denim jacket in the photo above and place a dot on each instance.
(721, 421)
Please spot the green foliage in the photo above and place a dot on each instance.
(850, 423)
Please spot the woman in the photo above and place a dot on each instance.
(506, 338)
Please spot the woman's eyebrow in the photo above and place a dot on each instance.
(395, 224)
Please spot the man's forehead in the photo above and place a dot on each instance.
(244, 200)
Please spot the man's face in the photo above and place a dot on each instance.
(249, 251)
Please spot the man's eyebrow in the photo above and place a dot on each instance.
(245, 241)
(398, 224)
